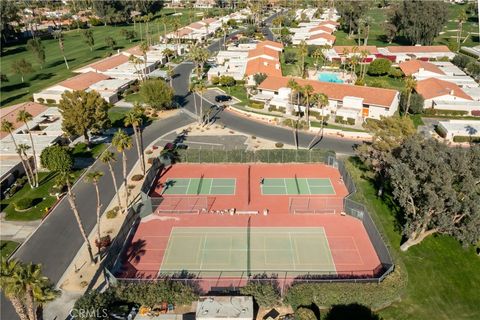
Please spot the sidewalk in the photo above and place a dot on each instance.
(16, 230)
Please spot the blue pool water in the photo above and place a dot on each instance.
(329, 77)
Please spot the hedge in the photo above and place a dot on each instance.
(466, 139)
(433, 112)
(374, 295)
(256, 105)
(23, 204)
(277, 109)
(265, 293)
(440, 131)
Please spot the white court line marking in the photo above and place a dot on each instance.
(292, 251)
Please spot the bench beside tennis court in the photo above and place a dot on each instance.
(214, 251)
(297, 186)
(200, 186)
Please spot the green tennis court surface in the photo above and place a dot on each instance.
(203, 186)
(233, 250)
(294, 186)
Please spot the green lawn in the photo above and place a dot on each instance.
(385, 81)
(239, 92)
(77, 53)
(417, 120)
(335, 126)
(80, 150)
(40, 195)
(7, 247)
(378, 16)
(294, 69)
(443, 277)
(116, 116)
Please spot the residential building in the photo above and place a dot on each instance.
(405, 53)
(337, 53)
(197, 31)
(46, 129)
(348, 101)
(444, 95)
(443, 70)
(462, 128)
(205, 4)
(315, 33)
(84, 81)
(225, 308)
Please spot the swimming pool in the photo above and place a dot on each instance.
(329, 77)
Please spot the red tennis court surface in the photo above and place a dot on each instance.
(348, 242)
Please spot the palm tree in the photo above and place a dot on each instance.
(307, 91)
(462, 17)
(317, 55)
(322, 101)
(24, 117)
(144, 48)
(176, 26)
(193, 89)
(168, 53)
(293, 86)
(225, 30)
(302, 52)
(163, 20)
(170, 74)
(59, 35)
(22, 151)
(135, 61)
(7, 127)
(199, 56)
(108, 157)
(123, 142)
(410, 84)
(93, 177)
(12, 290)
(134, 118)
(67, 178)
(200, 89)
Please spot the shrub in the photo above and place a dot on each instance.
(373, 295)
(395, 73)
(266, 294)
(95, 21)
(215, 80)
(23, 204)
(57, 158)
(256, 105)
(51, 101)
(303, 313)
(461, 61)
(277, 109)
(137, 177)
(111, 214)
(466, 139)
(360, 82)
(351, 121)
(290, 57)
(379, 67)
(279, 145)
(438, 112)
(41, 100)
(148, 152)
(339, 119)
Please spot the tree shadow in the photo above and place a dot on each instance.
(13, 98)
(14, 87)
(42, 76)
(136, 250)
(351, 311)
(13, 51)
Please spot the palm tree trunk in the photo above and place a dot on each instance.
(73, 206)
(24, 164)
(319, 132)
(110, 168)
(408, 103)
(19, 308)
(34, 155)
(66, 62)
(124, 160)
(201, 108)
(196, 107)
(31, 309)
(29, 170)
(139, 149)
(99, 207)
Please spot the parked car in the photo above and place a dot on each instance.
(222, 98)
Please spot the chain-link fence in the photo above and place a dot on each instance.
(245, 156)
(359, 211)
(151, 175)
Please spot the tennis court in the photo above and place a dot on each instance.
(297, 186)
(200, 186)
(259, 249)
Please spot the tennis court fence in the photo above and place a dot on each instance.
(244, 156)
(182, 204)
(315, 205)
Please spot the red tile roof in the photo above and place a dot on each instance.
(270, 43)
(326, 36)
(418, 49)
(261, 65)
(322, 28)
(370, 49)
(329, 22)
(412, 66)
(10, 113)
(109, 63)
(433, 87)
(83, 80)
(263, 50)
(337, 91)
(196, 25)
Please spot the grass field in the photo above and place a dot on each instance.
(77, 53)
(7, 247)
(40, 195)
(443, 277)
(378, 16)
